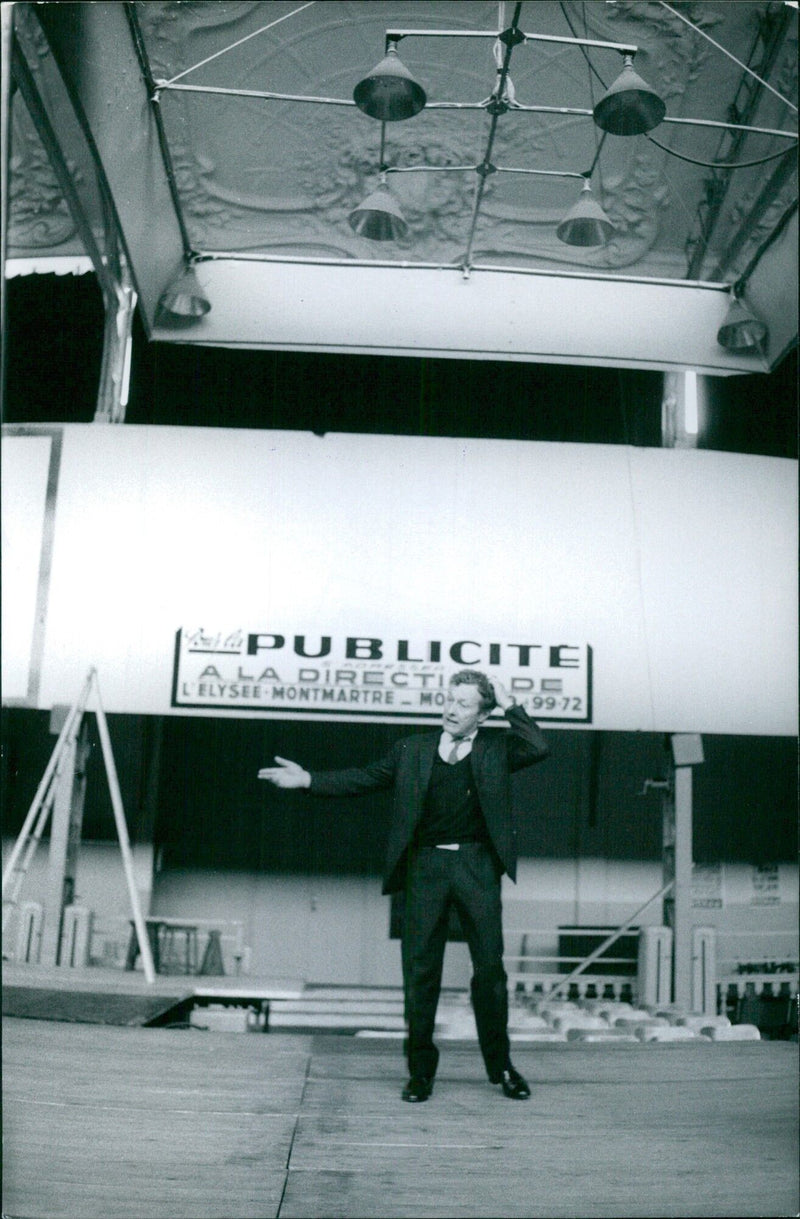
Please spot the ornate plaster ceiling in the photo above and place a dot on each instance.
(263, 176)
(225, 133)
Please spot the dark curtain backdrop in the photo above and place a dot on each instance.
(190, 784)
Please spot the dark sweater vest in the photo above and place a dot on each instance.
(452, 811)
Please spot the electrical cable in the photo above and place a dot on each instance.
(671, 151)
(682, 156)
(598, 144)
(583, 51)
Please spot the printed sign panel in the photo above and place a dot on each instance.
(708, 888)
(766, 885)
(314, 673)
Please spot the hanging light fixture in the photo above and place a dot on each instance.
(741, 330)
(379, 217)
(585, 224)
(184, 299)
(629, 106)
(390, 92)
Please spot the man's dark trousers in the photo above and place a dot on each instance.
(469, 879)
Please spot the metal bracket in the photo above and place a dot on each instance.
(657, 784)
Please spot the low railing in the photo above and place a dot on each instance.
(787, 984)
(761, 989)
(757, 969)
(759, 966)
(530, 972)
(579, 976)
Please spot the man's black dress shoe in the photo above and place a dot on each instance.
(513, 1085)
(418, 1088)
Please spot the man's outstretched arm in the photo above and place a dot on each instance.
(353, 781)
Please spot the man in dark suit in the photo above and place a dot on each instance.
(452, 837)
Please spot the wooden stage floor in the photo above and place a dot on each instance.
(141, 1123)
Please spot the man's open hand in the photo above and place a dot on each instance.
(285, 774)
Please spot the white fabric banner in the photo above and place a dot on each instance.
(612, 587)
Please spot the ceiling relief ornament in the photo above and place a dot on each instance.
(671, 56)
(279, 178)
(308, 196)
(172, 28)
(661, 21)
(270, 177)
(38, 216)
(221, 15)
(436, 206)
(786, 82)
(634, 202)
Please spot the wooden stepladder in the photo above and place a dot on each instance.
(46, 794)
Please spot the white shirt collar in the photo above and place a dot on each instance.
(464, 744)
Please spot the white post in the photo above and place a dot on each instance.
(682, 894)
(122, 834)
(654, 974)
(704, 970)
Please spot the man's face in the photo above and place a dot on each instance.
(462, 710)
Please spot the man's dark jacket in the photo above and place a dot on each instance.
(407, 767)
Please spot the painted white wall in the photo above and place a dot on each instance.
(100, 886)
(678, 568)
(324, 929)
(335, 929)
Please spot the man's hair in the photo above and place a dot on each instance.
(474, 677)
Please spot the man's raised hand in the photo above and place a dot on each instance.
(502, 696)
(285, 774)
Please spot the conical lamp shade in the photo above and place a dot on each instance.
(379, 217)
(629, 106)
(741, 330)
(184, 298)
(389, 92)
(585, 224)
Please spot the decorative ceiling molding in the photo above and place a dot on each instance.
(253, 172)
(250, 176)
(38, 216)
